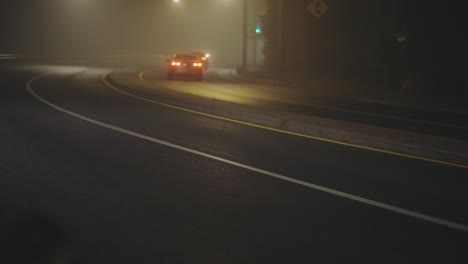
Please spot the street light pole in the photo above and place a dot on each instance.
(43, 32)
(254, 50)
(280, 39)
(245, 35)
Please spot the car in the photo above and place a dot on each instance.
(204, 57)
(185, 65)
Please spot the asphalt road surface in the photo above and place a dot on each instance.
(94, 176)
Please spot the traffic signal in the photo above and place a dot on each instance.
(259, 26)
(258, 30)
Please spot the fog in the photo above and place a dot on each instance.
(70, 28)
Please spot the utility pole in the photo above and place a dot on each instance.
(43, 16)
(256, 33)
(245, 36)
(254, 50)
(280, 40)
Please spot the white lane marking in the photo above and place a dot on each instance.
(395, 209)
(337, 109)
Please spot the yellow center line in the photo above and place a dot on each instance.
(108, 84)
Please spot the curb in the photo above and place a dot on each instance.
(299, 126)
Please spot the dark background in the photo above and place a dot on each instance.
(424, 42)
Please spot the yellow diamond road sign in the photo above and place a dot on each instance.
(318, 8)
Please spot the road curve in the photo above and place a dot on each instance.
(122, 198)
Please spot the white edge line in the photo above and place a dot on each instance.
(352, 197)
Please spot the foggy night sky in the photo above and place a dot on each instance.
(105, 27)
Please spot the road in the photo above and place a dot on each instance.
(118, 180)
